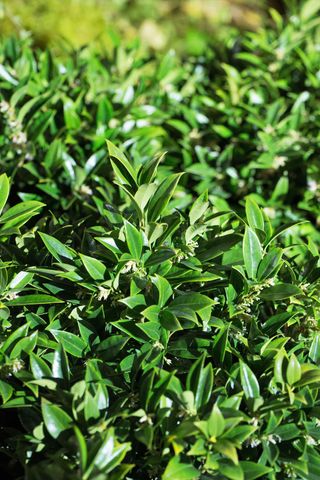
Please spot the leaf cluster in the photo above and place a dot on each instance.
(160, 312)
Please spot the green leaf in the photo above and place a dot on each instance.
(82, 446)
(159, 388)
(282, 229)
(288, 431)
(161, 198)
(269, 264)
(20, 280)
(309, 375)
(121, 166)
(227, 449)
(55, 247)
(164, 289)
(314, 352)
(60, 366)
(131, 329)
(200, 381)
(169, 321)
(220, 344)
(41, 299)
(32, 106)
(55, 419)
(199, 208)
(134, 240)
(254, 215)
(23, 210)
(215, 247)
(280, 291)
(15, 335)
(109, 455)
(94, 267)
(252, 252)
(53, 157)
(281, 188)
(91, 410)
(26, 344)
(6, 391)
(182, 471)
(70, 342)
(275, 322)
(142, 197)
(151, 329)
(4, 190)
(293, 370)
(253, 470)
(39, 368)
(309, 9)
(249, 382)
(230, 471)
(145, 435)
(149, 169)
(134, 301)
(71, 117)
(194, 301)
(160, 256)
(216, 422)
(109, 348)
(110, 244)
(5, 75)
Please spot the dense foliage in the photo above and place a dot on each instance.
(187, 25)
(160, 308)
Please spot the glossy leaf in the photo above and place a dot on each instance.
(200, 381)
(293, 370)
(249, 381)
(314, 352)
(39, 367)
(55, 419)
(134, 240)
(94, 267)
(122, 167)
(252, 252)
(176, 469)
(269, 264)
(70, 342)
(55, 247)
(4, 191)
(36, 299)
(254, 470)
(280, 291)
(254, 215)
(161, 198)
(23, 210)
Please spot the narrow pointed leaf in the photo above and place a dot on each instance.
(252, 252)
(55, 419)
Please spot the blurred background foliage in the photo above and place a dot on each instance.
(186, 25)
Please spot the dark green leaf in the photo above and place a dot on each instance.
(252, 252)
(35, 299)
(55, 419)
(280, 292)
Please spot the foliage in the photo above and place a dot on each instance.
(188, 25)
(160, 312)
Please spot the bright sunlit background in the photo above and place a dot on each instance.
(185, 25)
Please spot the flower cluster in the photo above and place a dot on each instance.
(247, 301)
(17, 134)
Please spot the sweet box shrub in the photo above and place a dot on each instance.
(160, 311)
(242, 120)
(187, 26)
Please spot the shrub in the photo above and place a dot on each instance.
(188, 25)
(159, 313)
(242, 120)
